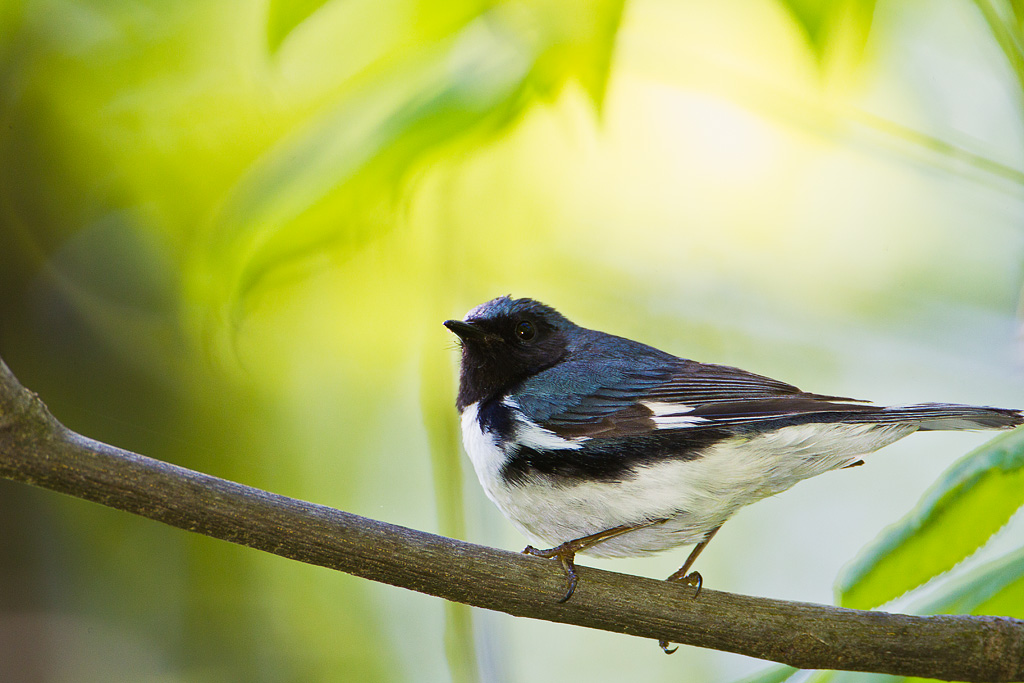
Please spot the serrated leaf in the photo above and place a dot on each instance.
(969, 503)
(283, 16)
(1008, 602)
(997, 588)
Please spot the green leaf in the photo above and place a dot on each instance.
(812, 17)
(997, 588)
(581, 46)
(1017, 8)
(283, 16)
(595, 82)
(969, 503)
(833, 676)
(837, 30)
(773, 674)
(1009, 601)
(335, 181)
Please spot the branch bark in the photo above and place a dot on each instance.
(36, 449)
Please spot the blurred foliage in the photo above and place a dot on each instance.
(965, 507)
(773, 674)
(837, 29)
(229, 231)
(163, 160)
(283, 17)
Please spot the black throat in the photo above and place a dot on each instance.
(489, 369)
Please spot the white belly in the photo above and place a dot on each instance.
(695, 496)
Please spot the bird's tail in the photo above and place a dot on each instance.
(933, 416)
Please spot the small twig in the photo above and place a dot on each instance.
(36, 449)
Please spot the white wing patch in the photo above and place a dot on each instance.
(672, 415)
(532, 435)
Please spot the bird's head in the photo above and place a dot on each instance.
(504, 341)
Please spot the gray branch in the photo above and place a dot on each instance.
(36, 449)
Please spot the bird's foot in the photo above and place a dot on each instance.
(565, 553)
(692, 579)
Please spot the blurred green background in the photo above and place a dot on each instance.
(229, 232)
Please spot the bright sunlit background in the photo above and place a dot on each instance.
(229, 233)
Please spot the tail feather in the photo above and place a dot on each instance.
(935, 416)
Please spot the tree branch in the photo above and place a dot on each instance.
(36, 449)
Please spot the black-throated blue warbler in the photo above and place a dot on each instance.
(601, 445)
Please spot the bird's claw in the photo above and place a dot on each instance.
(565, 553)
(692, 579)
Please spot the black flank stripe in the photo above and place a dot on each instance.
(606, 460)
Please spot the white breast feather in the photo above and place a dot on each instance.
(484, 452)
(696, 495)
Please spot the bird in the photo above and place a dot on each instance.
(596, 444)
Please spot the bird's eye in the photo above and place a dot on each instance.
(526, 331)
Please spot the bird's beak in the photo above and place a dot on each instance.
(467, 331)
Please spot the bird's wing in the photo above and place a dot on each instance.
(602, 425)
(684, 395)
(702, 383)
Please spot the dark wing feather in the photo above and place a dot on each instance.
(610, 404)
(697, 384)
(604, 398)
(576, 392)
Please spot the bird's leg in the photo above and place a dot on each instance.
(566, 552)
(692, 578)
